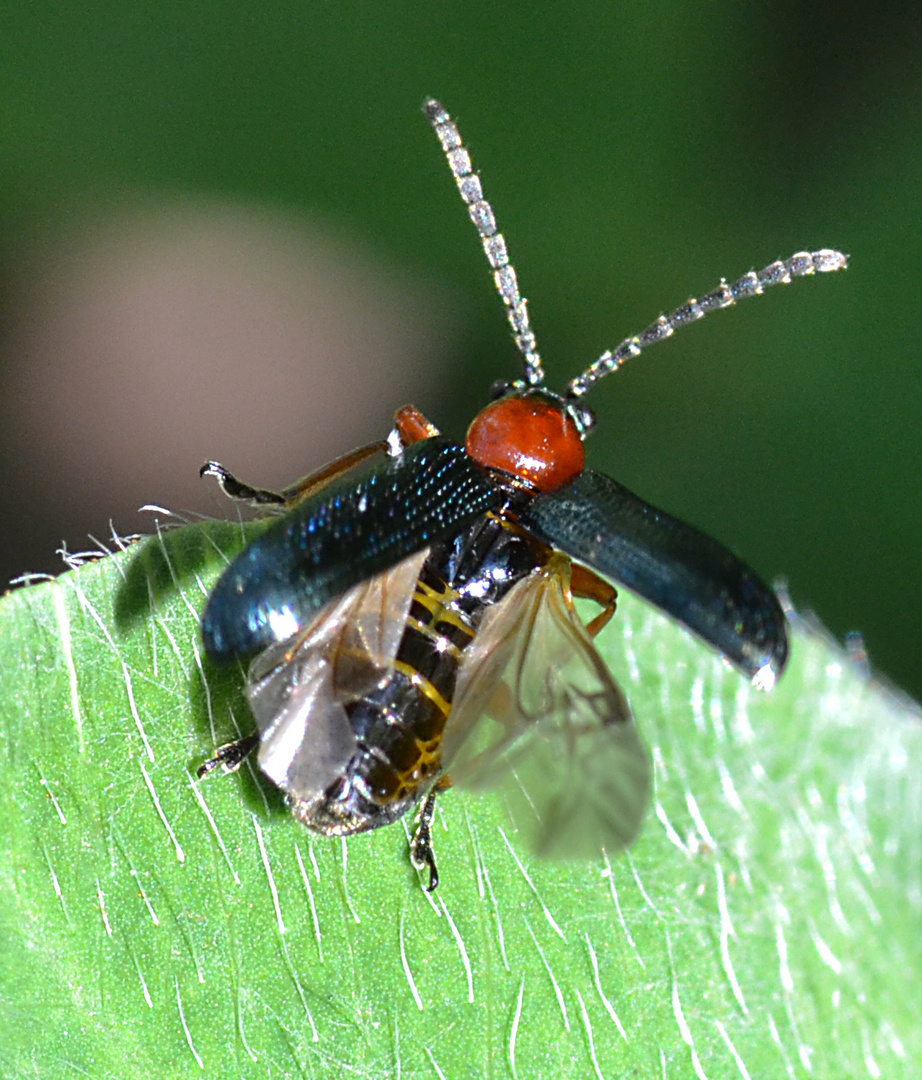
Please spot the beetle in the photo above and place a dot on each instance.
(409, 620)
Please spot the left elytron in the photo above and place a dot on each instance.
(412, 615)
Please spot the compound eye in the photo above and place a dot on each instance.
(500, 389)
(585, 418)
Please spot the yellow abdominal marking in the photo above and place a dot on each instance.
(427, 765)
(440, 642)
(439, 604)
(423, 685)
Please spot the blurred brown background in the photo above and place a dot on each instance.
(227, 234)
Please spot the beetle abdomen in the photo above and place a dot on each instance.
(399, 724)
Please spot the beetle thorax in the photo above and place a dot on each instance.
(531, 437)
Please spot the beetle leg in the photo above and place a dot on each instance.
(412, 426)
(587, 585)
(239, 491)
(319, 479)
(287, 498)
(422, 855)
(230, 756)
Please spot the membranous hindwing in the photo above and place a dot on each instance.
(539, 718)
(299, 690)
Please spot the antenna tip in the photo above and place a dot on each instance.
(826, 261)
(435, 111)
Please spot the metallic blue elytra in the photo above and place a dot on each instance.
(681, 570)
(357, 526)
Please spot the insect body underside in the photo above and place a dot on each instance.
(382, 708)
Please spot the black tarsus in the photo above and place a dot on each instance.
(230, 756)
(421, 853)
(239, 491)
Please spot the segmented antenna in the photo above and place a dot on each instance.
(803, 264)
(494, 244)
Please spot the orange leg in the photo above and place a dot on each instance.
(290, 496)
(412, 426)
(587, 585)
(319, 479)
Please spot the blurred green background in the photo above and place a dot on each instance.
(227, 231)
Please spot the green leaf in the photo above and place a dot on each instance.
(766, 924)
